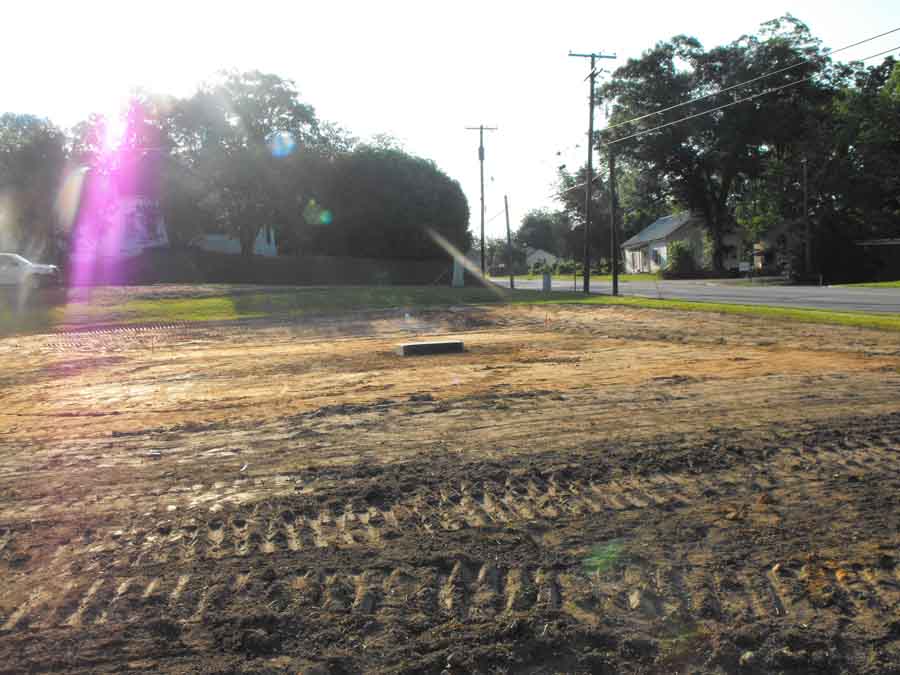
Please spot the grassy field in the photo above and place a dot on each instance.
(858, 319)
(154, 305)
(55, 310)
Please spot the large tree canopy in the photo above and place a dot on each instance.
(246, 152)
(32, 157)
(384, 203)
(712, 162)
(546, 230)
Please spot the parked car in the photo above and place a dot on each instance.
(17, 271)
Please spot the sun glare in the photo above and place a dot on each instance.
(115, 126)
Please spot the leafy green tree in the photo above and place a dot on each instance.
(496, 251)
(849, 141)
(680, 258)
(32, 160)
(643, 197)
(703, 161)
(242, 109)
(545, 229)
(853, 180)
(187, 204)
(384, 202)
(572, 195)
(239, 137)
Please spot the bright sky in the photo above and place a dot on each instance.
(419, 71)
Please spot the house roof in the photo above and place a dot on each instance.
(659, 229)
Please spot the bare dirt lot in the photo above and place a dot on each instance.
(584, 490)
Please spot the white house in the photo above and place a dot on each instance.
(117, 219)
(648, 250)
(264, 245)
(538, 255)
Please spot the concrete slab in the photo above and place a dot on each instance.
(425, 348)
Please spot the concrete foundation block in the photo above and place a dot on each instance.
(426, 348)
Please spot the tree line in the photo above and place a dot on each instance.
(741, 168)
(242, 153)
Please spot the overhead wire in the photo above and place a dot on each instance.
(770, 90)
(715, 109)
(494, 217)
(747, 82)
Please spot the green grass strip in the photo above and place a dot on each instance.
(856, 319)
(873, 284)
(292, 302)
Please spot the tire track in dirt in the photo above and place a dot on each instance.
(534, 503)
(142, 584)
(473, 591)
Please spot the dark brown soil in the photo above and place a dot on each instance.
(583, 491)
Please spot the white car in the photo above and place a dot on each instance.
(17, 271)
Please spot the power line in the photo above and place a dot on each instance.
(770, 90)
(744, 84)
(711, 110)
(727, 89)
(494, 217)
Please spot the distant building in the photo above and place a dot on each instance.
(538, 255)
(119, 216)
(264, 245)
(648, 250)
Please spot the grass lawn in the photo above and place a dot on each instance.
(857, 319)
(119, 307)
(874, 284)
(107, 307)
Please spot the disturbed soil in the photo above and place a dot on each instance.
(584, 490)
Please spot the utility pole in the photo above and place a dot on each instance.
(807, 261)
(481, 129)
(509, 256)
(613, 231)
(590, 166)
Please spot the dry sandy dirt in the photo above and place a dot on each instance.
(583, 490)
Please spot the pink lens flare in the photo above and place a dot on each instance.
(118, 214)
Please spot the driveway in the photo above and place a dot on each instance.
(817, 297)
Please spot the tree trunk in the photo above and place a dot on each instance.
(720, 222)
(718, 249)
(247, 237)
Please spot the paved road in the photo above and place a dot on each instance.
(825, 297)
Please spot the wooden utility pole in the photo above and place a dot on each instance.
(509, 254)
(481, 129)
(807, 258)
(590, 166)
(613, 231)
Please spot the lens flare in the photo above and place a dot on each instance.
(604, 557)
(114, 129)
(313, 214)
(108, 203)
(281, 143)
(68, 198)
(9, 216)
(460, 257)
